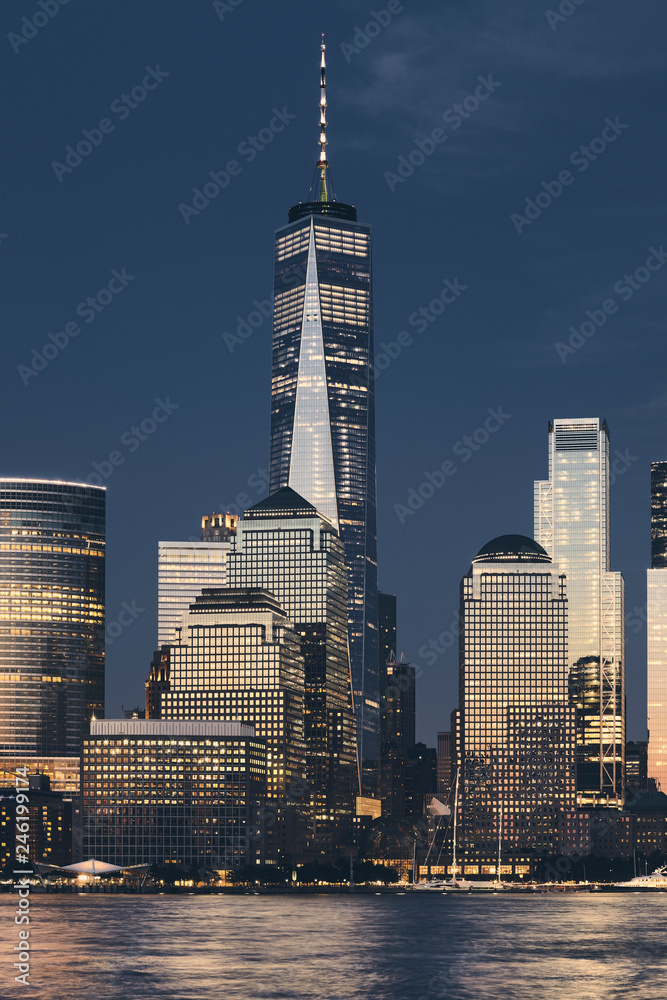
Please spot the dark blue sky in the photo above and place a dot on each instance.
(219, 73)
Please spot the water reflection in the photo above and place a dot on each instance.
(338, 948)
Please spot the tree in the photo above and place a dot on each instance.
(262, 874)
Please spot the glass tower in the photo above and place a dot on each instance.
(516, 726)
(323, 405)
(51, 616)
(284, 546)
(186, 568)
(656, 623)
(572, 523)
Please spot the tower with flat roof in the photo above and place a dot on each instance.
(656, 628)
(572, 523)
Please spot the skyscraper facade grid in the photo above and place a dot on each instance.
(323, 405)
(516, 726)
(572, 524)
(239, 658)
(52, 545)
(186, 568)
(186, 793)
(284, 546)
(656, 626)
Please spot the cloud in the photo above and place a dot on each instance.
(428, 59)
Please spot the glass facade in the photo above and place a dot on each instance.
(63, 772)
(656, 624)
(444, 765)
(239, 658)
(188, 793)
(659, 515)
(52, 542)
(186, 568)
(572, 523)
(284, 546)
(323, 414)
(516, 728)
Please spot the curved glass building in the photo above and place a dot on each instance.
(51, 615)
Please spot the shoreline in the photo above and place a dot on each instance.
(361, 890)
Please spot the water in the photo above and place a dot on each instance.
(543, 947)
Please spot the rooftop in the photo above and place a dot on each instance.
(512, 548)
(283, 503)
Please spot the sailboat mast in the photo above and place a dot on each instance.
(500, 836)
(456, 816)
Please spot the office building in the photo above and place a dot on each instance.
(397, 730)
(52, 537)
(187, 793)
(386, 628)
(516, 727)
(572, 524)
(444, 765)
(186, 568)
(656, 627)
(323, 405)
(240, 659)
(636, 765)
(284, 546)
(659, 515)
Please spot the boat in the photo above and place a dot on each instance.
(455, 884)
(432, 885)
(657, 880)
(440, 810)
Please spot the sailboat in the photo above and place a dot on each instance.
(496, 885)
(455, 884)
(438, 809)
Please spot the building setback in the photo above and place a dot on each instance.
(187, 793)
(572, 524)
(323, 405)
(52, 542)
(239, 658)
(284, 546)
(516, 729)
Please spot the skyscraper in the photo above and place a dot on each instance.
(656, 626)
(238, 658)
(386, 628)
(186, 568)
(323, 404)
(444, 748)
(51, 618)
(659, 515)
(282, 545)
(516, 726)
(572, 524)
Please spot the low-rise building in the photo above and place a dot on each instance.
(173, 791)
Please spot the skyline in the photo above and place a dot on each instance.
(121, 204)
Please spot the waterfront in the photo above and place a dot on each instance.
(406, 947)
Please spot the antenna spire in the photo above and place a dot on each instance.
(322, 187)
(323, 104)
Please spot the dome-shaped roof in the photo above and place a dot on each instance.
(512, 548)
